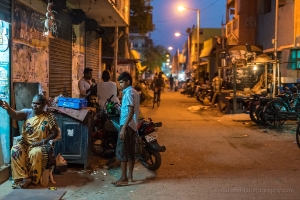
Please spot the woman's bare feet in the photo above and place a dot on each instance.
(26, 183)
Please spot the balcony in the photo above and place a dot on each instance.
(232, 27)
(108, 13)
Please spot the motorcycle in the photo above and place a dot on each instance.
(104, 139)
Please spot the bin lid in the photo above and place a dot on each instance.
(77, 114)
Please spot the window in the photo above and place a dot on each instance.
(267, 6)
(295, 59)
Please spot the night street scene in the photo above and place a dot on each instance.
(149, 99)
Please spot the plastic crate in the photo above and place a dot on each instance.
(76, 103)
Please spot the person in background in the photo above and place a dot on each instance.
(171, 80)
(216, 88)
(176, 84)
(85, 85)
(107, 88)
(125, 150)
(27, 163)
(157, 85)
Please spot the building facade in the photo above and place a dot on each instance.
(43, 60)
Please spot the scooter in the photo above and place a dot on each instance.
(104, 140)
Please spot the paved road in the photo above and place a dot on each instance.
(209, 156)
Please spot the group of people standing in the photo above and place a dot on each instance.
(103, 90)
(125, 150)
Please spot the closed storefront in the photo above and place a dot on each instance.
(60, 58)
(92, 53)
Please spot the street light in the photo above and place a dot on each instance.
(170, 48)
(181, 8)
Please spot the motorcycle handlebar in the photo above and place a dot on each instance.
(109, 99)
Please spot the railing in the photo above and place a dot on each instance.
(231, 26)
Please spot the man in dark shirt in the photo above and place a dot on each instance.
(171, 80)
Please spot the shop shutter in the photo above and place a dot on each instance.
(60, 58)
(5, 10)
(92, 53)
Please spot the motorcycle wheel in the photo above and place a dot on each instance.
(154, 161)
(97, 147)
(253, 115)
(272, 113)
(259, 114)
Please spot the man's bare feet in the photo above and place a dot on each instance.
(131, 180)
(120, 182)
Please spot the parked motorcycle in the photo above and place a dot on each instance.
(203, 92)
(104, 140)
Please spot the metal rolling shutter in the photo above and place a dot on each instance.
(5, 10)
(92, 53)
(60, 58)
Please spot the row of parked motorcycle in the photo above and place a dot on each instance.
(202, 92)
(274, 112)
(105, 136)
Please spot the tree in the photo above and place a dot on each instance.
(155, 56)
(141, 16)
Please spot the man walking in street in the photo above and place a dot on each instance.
(125, 150)
(216, 88)
(158, 84)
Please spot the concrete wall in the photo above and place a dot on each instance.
(266, 26)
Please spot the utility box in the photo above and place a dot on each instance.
(75, 142)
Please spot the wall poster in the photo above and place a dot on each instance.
(30, 58)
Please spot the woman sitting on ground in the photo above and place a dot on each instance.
(39, 128)
(107, 88)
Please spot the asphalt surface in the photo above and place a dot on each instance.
(209, 156)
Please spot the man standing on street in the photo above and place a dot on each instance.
(125, 149)
(171, 79)
(216, 88)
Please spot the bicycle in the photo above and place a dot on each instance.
(285, 107)
(156, 98)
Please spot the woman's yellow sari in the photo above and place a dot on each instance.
(26, 161)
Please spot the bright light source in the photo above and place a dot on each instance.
(168, 60)
(254, 67)
(167, 56)
(180, 8)
(167, 63)
(177, 34)
(170, 66)
(170, 48)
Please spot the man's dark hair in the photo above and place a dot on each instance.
(105, 75)
(87, 70)
(216, 74)
(125, 76)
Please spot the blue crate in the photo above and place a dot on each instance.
(76, 103)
